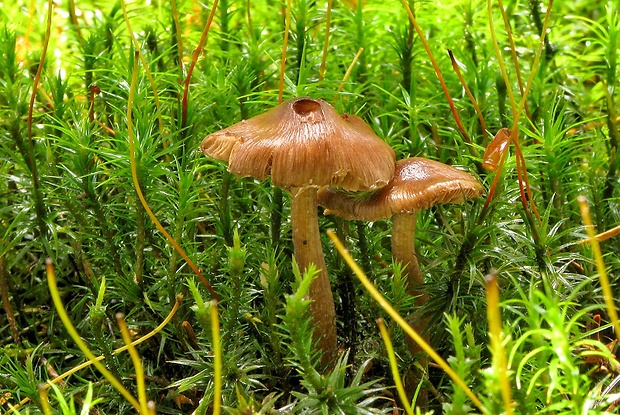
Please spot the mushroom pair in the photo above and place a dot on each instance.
(417, 184)
(303, 145)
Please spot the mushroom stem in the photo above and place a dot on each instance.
(403, 251)
(308, 250)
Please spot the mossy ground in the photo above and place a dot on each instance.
(69, 180)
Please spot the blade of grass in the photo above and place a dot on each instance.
(146, 67)
(439, 74)
(349, 69)
(6, 301)
(81, 366)
(74, 21)
(603, 236)
(380, 299)
(530, 80)
(523, 180)
(495, 334)
(64, 317)
(179, 38)
(600, 264)
(513, 52)
(137, 362)
(44, 399)
(328, 19)
(472, 99)
(394, 366)
(514, 132)
(249, 17)
(190, 71)
(500, 61)
(37, 77)
(217, 359)
(287, 26)
(30, 155)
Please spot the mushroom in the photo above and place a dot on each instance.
(417, 184)
(304, 144)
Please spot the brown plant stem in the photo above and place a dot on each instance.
(29, 153)
(350, 69)
(439, 74)
(6, 302)
(145, 65)
(472, 99)
(140, 243)
(308, 250)
(287, 26)
(513, 53)
(249, 16)
(190, 71)
(177, 33)
(328, 18)
(134, 174)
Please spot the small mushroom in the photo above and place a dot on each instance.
(417, 184)
(304, 144)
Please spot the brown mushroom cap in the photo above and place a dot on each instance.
(304, 142)
(417, 184)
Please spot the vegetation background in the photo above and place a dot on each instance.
(80, 138)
